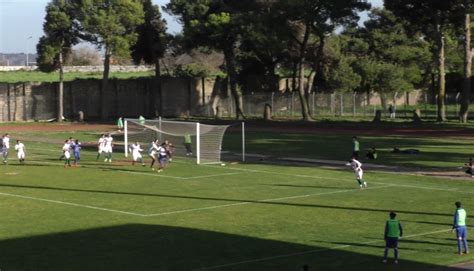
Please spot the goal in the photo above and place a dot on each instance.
(206, 140)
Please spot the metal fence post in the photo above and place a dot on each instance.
(342, 104)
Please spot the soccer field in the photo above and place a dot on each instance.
(112, 216)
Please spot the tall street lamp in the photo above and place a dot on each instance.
(27, 43)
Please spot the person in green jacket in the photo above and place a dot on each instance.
(459, 226)
(187, 144)
(393, 231)
(120, 124)
(355, 148)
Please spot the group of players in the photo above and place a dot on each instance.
(163, 153)
(71, 151)
(5, 149)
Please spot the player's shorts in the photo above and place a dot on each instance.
(101, 149)
(391, 242)
(77, 155)
(136, 156)
(461, 232)
(21, 155)
(152, 154)
(162, 160)
(107, 149)
(67, 155)
(359, 174)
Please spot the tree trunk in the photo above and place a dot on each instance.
(60, 110)
(466, 88)
(157, 91)
(105, 82)
(441, 75)
(294, 76)
(229, 56)
(301, 89)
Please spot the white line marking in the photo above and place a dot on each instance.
(263, 201)
(308, 252)
(344, 180)
(70, 203)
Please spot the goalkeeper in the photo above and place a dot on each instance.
(187, 144)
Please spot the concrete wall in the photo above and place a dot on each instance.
(180, 97)
(100, 68)
(127, 98)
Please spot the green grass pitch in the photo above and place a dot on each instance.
(252, 216)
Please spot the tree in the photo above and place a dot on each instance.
(389, 60)
(217, 25)
(61, 33)
(150, 48)
(432, 18)
(466, 8)
(111, 25)
(321, 18)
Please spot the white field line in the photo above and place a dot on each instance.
(70, 203)
(263, 201)
(270, 258)
(144, 173)
(344, 180)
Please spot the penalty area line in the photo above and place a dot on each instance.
(263, 201)
(288, 255)
(70, 204)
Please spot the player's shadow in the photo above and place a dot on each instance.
(225, 200)
(158, 247)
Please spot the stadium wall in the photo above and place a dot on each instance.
(180, 97)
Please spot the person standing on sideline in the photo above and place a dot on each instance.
(187, 144)
(120, 124)
(141, 120)
(391, 111)
(459, 226)
(393, 231)
(355, 147)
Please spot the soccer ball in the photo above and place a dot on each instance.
(223, 164)
(348, 164)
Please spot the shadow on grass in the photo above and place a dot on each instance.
(224, 200)
(156, 247)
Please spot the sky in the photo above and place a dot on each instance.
(21, 23)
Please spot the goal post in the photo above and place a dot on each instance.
(205, 140)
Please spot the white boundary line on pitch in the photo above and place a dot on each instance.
(308, 252)
(264, 201)
(343, 180)
(182, 211)
(70, 203)
(142, 173)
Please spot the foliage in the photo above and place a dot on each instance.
(152, 38)
(111, 24)
(61, 33)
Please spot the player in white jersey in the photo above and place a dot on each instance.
(357, 167)
(108, 145)
(100, 146)
(153, 152)
(67, 153)
(6, 147)
(20, 151)
(135, 149)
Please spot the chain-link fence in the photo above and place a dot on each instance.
(333, 104)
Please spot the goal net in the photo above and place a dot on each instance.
(206, 140)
